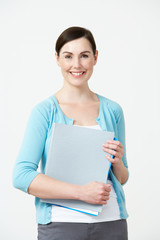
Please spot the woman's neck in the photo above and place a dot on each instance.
(76, 96)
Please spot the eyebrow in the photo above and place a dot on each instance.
(80, 53)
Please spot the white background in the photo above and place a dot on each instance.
(127, 34)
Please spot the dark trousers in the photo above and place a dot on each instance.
(114, 230)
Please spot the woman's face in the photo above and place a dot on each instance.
(77, 60)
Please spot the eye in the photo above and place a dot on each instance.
(84, 56)
(67, 56)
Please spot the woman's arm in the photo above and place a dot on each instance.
(31, 150)
(120, 171)
(118, 149)
(46, 187)
(115, 148)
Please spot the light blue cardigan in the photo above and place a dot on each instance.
(36, 142)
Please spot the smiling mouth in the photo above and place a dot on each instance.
(77, 74)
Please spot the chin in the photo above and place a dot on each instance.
(77, 83)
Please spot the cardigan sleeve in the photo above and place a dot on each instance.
(31, 150)
(121, 133)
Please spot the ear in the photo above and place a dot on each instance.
(95, 57)
(57, 58)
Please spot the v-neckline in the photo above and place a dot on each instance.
(72, 119)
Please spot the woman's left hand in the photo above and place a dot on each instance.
(114, 148)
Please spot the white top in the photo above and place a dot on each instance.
(110, 211)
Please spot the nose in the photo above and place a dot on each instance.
(76, 62)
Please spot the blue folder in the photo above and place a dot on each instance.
(75, 156)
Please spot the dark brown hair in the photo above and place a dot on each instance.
(73, 33)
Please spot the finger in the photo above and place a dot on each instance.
(105, 199)
(108, 188)
(118, 143)
(112, 152)
(112, 146)
(112, 160)
(104, 202)
(106, 193)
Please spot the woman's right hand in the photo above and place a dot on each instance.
(96, 192)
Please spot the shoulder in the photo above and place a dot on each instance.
(45, 105)
(113, 106)
(44, 109)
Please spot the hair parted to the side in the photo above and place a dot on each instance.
(73, 33)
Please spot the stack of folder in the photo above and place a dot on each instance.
(75, 156)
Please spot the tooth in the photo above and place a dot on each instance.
(77, 73)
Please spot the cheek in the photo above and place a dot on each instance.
(89, 64)
(65, 66)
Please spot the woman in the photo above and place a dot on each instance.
(75, 104)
